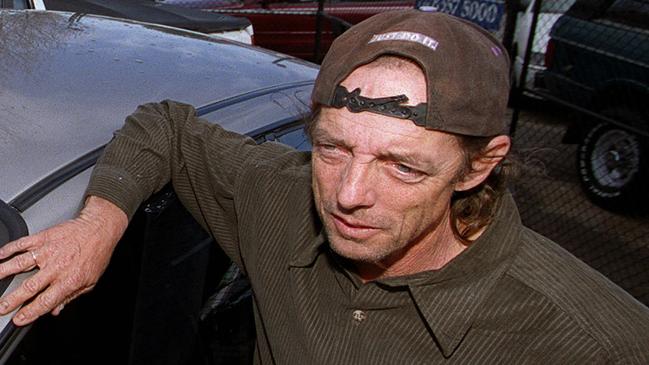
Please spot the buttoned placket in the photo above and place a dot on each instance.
(365, 298)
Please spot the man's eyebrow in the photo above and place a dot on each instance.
(321, 135)
(401, 157)
(411, 160)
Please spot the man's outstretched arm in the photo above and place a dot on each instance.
(159, 142)
(70, 256)
(140, 160)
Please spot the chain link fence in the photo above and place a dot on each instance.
(580, 71)
(580, 125)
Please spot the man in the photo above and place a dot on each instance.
(392, 242)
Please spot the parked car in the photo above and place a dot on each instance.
(289, 26)
(68, 80)
(549, 12)
(598, 62)
(238, 29)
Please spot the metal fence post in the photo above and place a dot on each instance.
(318, 31)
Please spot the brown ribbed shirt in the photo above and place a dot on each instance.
(513, 297)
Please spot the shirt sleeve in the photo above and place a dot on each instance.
(162, 142)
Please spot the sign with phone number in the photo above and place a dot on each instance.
(487, 13)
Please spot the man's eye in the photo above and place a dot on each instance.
(404, 169)
(407, 173)
(328, 151)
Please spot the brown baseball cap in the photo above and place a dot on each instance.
(466, 68)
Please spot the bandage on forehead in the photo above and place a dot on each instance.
(466, 69)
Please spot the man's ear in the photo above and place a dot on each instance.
(482, 165)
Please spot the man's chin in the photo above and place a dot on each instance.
(355, 251)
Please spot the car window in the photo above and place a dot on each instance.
(262, 113)
(556, 6)
(14, 4)
(294, 136)
(588, 9)
(630, 12)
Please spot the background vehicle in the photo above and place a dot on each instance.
(238, 29)
(68, 80)
(549, 12)
(598, 62)
(289, 26)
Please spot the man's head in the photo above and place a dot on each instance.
(465, 68)
(384, 174)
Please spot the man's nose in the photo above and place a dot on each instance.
(355, 189)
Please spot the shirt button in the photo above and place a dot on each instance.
(359, 315)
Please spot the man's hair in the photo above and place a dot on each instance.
(474, 209)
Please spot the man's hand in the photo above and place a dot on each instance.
(70, 257)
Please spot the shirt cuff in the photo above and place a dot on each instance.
(116, 186)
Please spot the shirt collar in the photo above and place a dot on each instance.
(309, 238)
(449, 298)
(306, 254)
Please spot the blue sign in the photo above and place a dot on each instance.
(486, 13)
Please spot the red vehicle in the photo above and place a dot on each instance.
(289, 26)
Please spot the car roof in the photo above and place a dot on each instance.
(68, 80)
(152, 12)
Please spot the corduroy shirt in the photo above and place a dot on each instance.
(512, 297)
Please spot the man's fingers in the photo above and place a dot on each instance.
(58, 309)
(27, 290)
(44, 303)
(21, 263)
(19, 245)
(70, 298)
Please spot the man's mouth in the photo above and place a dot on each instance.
(353, 229)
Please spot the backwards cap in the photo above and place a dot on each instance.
(467, 71)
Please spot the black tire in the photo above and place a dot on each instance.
(612, 167)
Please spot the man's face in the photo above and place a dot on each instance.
(382, 185)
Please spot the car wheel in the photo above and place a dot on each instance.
(613, 168)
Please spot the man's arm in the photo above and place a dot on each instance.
(158, 143)
(166, 142)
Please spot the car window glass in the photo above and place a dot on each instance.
(556, 6)
(263, 113)
(14, 4)
(630, 12)
(294, 136)
(588, 9)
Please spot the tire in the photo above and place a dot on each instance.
(612, 167)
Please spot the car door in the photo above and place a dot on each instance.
(141, 261)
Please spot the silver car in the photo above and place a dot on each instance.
(66, 83)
